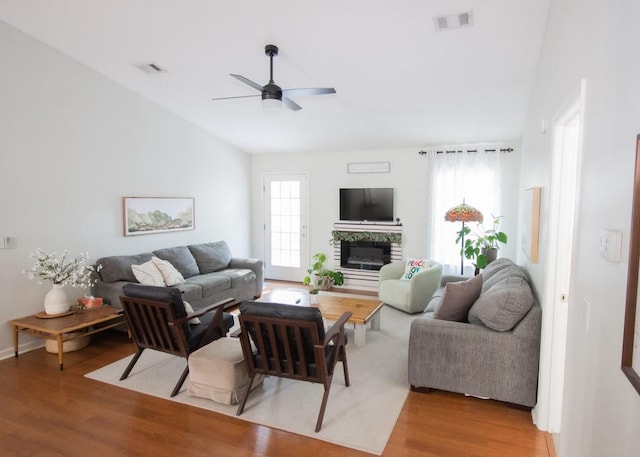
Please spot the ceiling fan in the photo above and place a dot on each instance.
(274, 95)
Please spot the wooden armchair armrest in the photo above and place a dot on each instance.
(337, 327)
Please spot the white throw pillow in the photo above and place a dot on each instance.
(170, 274)
(148, 274)
(414, 266)
(189, 309)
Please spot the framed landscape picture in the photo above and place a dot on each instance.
(146, 215)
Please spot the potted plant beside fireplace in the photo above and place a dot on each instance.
(319, 277)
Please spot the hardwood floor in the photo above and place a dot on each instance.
(46, 412)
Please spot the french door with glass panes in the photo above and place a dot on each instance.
(286, 247)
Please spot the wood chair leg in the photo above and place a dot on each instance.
(245, 396)
(127, 370)
(345, 368)
(184, 375)
(325, 397)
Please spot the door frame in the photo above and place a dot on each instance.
(304, 222)
(565, 171)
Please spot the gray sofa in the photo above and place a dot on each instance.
(210, 273)
(493, 352)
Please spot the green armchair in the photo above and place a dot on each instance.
(409, 295)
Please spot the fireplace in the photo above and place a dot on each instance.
(364, 255)
(360, 249)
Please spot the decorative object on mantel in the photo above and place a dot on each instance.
(337, 236)
(61, 272)
(463, 213)
(319, 278)
(484, 248)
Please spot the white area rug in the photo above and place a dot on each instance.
(361, 416)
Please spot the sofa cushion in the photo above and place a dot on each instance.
(510, 271)
(169, 273)
(181, 258)
(190, 292)
(210, 283)
(118, 267)
(238, 276)
(211, 257)
(457, 298)
(148, 274)
(502, 306)
(496, 266)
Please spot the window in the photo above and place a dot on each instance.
(473, 177)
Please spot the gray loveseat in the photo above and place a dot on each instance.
(209, 271)
(493, 352)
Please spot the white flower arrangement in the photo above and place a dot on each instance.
(59, 270)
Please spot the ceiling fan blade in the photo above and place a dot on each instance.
(291, 104)
(238, 96)
(308, 91)
(248, 82)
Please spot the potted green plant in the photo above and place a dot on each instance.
(482, 244)
(319, 277)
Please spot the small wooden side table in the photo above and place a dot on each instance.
(55, 328)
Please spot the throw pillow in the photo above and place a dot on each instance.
(148, 274)
(211, 257)
(457, 299)
(118, 268)
(189, 309)
(502, 306)
(496, 266)
(170, 274)
(414, 266)
(181, 258)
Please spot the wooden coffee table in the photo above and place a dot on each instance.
(57, 327)
(332, 307)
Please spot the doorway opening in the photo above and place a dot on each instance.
(563, 201)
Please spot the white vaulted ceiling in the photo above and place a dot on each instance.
(399, 82)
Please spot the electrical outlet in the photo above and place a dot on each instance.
(611, 245)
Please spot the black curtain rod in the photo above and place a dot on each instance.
(505, 150)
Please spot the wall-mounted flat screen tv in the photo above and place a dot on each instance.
(366, 204)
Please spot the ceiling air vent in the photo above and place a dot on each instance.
(453, 21)
(151, 68)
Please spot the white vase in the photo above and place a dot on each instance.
(56, 301)
(313, 299)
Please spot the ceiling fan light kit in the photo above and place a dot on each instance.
(273, 96)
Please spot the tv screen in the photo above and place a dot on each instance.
(368, 204)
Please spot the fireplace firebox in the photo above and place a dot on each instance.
(364, 255)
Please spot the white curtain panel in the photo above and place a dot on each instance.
(472, 177)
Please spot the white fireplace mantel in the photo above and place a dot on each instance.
(366, 280)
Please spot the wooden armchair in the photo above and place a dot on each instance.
(157, 319)
(289, 341)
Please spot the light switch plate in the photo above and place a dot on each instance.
(611, 245)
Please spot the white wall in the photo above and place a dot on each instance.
(328, 173)
(72, 144)
(597, 41)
